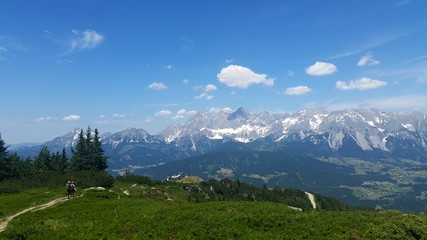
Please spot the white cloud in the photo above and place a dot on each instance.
(299, 90)
(71, 117)
(86, 40)
(182, 113)
(242, 77)
(210, 87)
(214, 110)
(204, 95)
(163, 113)
(119, 115)
(168, 67)
(321, 69)
(157, 86)
(291, 73)
(229, 60)
(185, 81)
(149, 120)
(102, 117)
(360, 84)
(368, 60)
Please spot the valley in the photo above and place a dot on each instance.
(361, 156)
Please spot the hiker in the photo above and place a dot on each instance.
(67, 187)
(72, 188)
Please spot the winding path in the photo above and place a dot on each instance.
(311, 198)
(5, 221)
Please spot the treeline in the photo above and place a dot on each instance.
(229, 190)
(87, 159)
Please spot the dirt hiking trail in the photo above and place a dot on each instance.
(5, 221)
(311, 198)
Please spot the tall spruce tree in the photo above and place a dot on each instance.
(88, 153)
(43, 161)
(79, 158)
(99, 160)
(59, 161)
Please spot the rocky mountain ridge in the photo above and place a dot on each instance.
(361, 130)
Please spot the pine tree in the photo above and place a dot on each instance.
(19, 167)
(59, 161)
(88, 154)
(99, 160)
(80, 155)
(43, 161)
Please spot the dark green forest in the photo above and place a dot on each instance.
(86, 165)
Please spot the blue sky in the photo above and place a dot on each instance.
(148, 64)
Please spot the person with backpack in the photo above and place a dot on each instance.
(72, 188)
(68, 189)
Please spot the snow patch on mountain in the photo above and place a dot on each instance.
(368, 128)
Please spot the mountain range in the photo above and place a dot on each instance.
(368, 155)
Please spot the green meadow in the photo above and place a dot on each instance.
(170, 211)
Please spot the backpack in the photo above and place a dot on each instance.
(67, 186)
(71, 187)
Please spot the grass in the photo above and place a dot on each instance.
(161, 212)
(13, 202)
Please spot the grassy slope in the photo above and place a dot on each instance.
(13, 202)
(162, 212)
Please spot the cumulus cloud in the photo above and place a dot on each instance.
(242, 77)
(163, 113)
(360, 84)
(299, 90)
(229, 60)
(206, 95)
(85, 40)
(217, 110)
(210, 87)
(321, 69)
(71, 118)
(157, 86)
(182, 113)
(367, 60)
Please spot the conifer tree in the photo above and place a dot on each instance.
(43, 161)
(99, 160)
(59, 161)
(19, 167)
(88, 153)
(80, 154)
